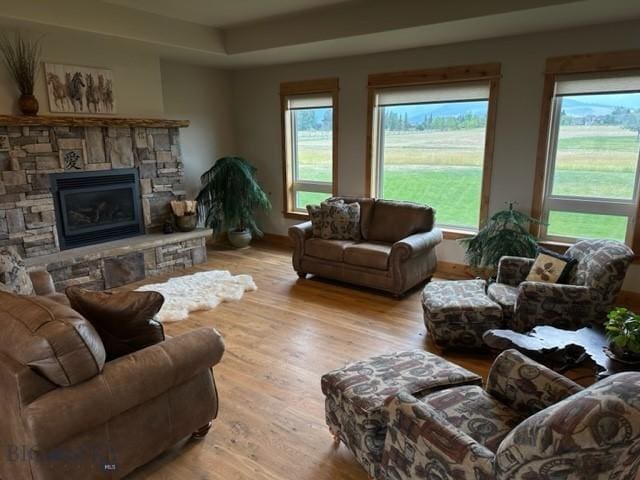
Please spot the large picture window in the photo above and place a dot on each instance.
(588, 185)
(432, 143)
(309, 143)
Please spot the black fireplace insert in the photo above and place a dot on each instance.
(95, 207)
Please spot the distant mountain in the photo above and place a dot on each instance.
(417, 113)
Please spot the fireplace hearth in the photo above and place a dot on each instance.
(96, 207)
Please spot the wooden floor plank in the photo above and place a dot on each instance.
(280, 339)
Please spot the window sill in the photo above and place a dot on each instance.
(296, 215)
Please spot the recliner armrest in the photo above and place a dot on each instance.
(416, 244)
(416, 434)
(525, 385)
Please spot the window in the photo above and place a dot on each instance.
(432, 141)
(589, 174)
(309, 142)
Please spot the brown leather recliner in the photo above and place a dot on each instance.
(66, 414)
(396, 253)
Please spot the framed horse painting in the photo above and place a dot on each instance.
(83, 90)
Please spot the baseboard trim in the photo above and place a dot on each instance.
(282, 241)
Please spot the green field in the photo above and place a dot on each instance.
(443, 169)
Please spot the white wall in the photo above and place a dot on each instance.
(202, 95)
(257, 108)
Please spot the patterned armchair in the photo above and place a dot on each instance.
(586, 298)
(529, 424)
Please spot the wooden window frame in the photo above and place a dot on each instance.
(329, 86)
(568, 65)
(490, 72)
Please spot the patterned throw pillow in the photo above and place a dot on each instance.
(12, 272)
(316, 215)
(550, 267)
(341, 221)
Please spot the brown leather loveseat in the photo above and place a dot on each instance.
(67, 414)
(397, 250)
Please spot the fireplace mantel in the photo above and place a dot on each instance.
(76, 121)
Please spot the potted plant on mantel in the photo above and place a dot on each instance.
(22, 59)
(623, 329)
(229, 197)
(505, 233)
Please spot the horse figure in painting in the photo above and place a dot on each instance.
(92, 94)
(105, 88)
(76, 89)
(58, 91)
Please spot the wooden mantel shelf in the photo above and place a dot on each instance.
(73, 121)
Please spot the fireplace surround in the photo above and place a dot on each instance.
(95, 207)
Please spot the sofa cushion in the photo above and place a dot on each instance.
(12, 272)
(366, 211)
(392, 221)
(51, 338)
(326, 249)
(368, 254)
(124, 320)
(317, 215)
(476, 413)
(340, 221)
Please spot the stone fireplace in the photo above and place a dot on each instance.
(77, 185)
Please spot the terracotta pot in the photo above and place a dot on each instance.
(28, 105)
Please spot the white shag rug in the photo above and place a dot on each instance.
(200, 291)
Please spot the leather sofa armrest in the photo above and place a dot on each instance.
(124, 384)
(416, 434)
(20, 380)
(42, 282)
(526, 385)
(300, 232)
(416, 244)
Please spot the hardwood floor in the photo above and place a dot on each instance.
(279, 341)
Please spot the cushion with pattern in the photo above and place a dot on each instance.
(550, 267)
(316, 215)
(13, 274)
(341, 221)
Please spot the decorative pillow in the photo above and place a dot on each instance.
(341, 221)
(551, 267)
(12, 272)
(52, 339)
(316, 215)
(124, 320)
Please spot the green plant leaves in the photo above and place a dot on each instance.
(230, 196)
(623, 328)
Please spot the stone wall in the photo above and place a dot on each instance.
(124, 261)
(29, 154)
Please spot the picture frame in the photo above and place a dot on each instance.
(80, 90)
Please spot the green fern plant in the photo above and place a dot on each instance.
(505, 233)
(230, 196)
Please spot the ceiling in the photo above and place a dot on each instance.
(224, 13)
(242, 33)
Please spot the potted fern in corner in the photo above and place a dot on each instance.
(229, 198)
(505, 233)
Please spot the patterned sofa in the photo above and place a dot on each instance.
(397, 250)
(529, 424)
(587, 297)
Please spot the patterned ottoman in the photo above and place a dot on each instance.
(458, 313)
(356, 394)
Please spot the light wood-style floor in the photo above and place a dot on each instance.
(279, 341)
